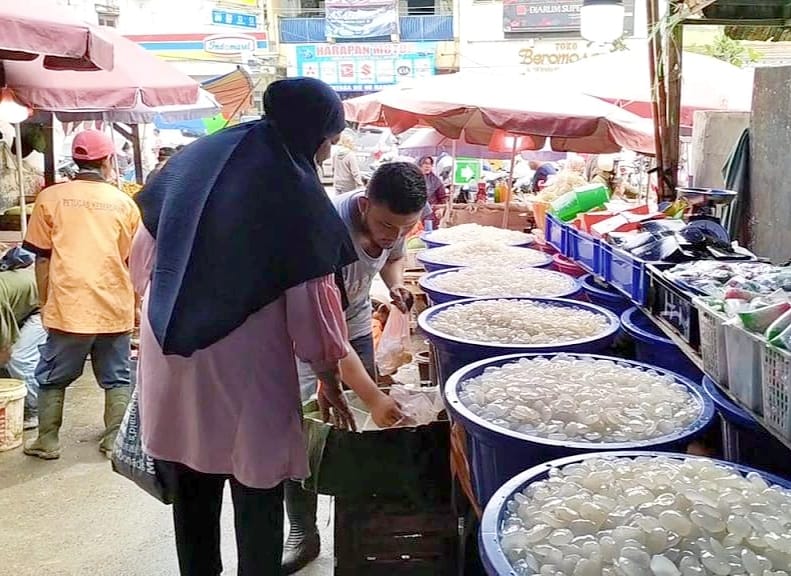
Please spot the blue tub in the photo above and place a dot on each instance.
(653, 347)
(453, 353)
(492, 555)
(436, 296)
(424, 258)
(744, 440)
(603, 296)
(496, 454)
(426, 238)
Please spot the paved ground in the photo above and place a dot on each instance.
(75, 517)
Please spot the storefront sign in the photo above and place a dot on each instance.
(201, 47)
(251, 3)
(361, 18)
(549, 56)
(365, 67)
(237, 19)
(542, 16)
(227, 45)
(467, 170)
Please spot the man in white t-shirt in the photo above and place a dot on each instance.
(378, 219)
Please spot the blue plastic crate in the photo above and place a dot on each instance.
(585, 250)
(625, 273)
(557, 234)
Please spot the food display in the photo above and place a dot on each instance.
(475, 232)
(561, 184)
(724, 279)
(482, 253)
(580, 399)
(496, 280)
(130, 188)
(518, 322)
(648, 516)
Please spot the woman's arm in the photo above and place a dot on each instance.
(384, 410)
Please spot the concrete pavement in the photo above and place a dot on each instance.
(75, 517)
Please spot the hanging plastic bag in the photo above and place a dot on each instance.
(130, 461)
(394, 349)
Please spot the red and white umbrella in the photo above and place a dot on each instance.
(32, 28)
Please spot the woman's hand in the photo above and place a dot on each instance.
(385, 411)
(332, 402)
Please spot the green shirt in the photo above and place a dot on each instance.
(18, 300)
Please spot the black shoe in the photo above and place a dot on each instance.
(303, 544)
(300, 550)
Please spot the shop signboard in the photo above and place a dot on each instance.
(250, 3)
(365, 67)
(543, 16)
(235, 19)
(352, 19)
(467, 170)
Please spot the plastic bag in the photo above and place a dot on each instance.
(394, 346)
(130, 461)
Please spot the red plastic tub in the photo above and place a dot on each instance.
(563, 264)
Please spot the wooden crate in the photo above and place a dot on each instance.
(376, 536)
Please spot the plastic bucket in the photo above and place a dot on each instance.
(437, 296)
(604, 297)
(425, 258)
(426, 238)
(563, 264)
(12, 413)
(492, 554)
(497, 454)
(540, 213)
(454, 353)
(744, 441)
(653, 347)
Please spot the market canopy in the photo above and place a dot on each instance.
(475, 107)
(138, 78)
(31, 28)
(624, 78)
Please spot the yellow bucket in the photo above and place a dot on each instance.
(12, 413)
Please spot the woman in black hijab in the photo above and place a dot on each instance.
(236, 265)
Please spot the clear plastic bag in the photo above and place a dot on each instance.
(394, 348)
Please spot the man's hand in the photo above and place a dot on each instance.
(332, 402)
(402, 298)
(5, 356)
(385, 411)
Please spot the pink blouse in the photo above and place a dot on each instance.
(234, 408)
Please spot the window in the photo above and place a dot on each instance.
(110, 20)
(107, 14)
(420, 7)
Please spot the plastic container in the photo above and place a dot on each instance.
(580, 200)
(425, 259)
(426, 238)
(625, 273)
(713, 346)
(492, 555)
(777, 390)
(601, 295)
(744, 367)
(556, 233)
(744, 440)
(496, 454)
(653, 347)
(674, 305)
(437, 296)
(453, 353)
(585, 250)
(12, 413)
(566, 266)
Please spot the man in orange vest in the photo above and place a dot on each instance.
(81, 232)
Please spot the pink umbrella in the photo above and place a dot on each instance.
(623, 78)
(138, 78)
(474, 107)
(30, 28)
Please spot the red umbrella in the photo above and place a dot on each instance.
(30, 28)
(138, 78)
(473, 107)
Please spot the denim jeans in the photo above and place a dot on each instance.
(364, 346)
(63, 358)
(25, 357)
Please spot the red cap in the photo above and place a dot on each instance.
(92, 145)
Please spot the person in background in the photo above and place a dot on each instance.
(21, 334)
(221, 322)
(435, 189)
(81, 233)
(378, 219)
(542, 172)
(604, 172)
(165, 153)
(345, 169)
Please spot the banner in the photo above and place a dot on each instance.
(361, 18)
(542, 16)
(365, 67)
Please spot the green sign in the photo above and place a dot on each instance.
(467, 170)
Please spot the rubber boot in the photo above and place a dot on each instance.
(50, 418)
(303, 544)
(115, 402)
